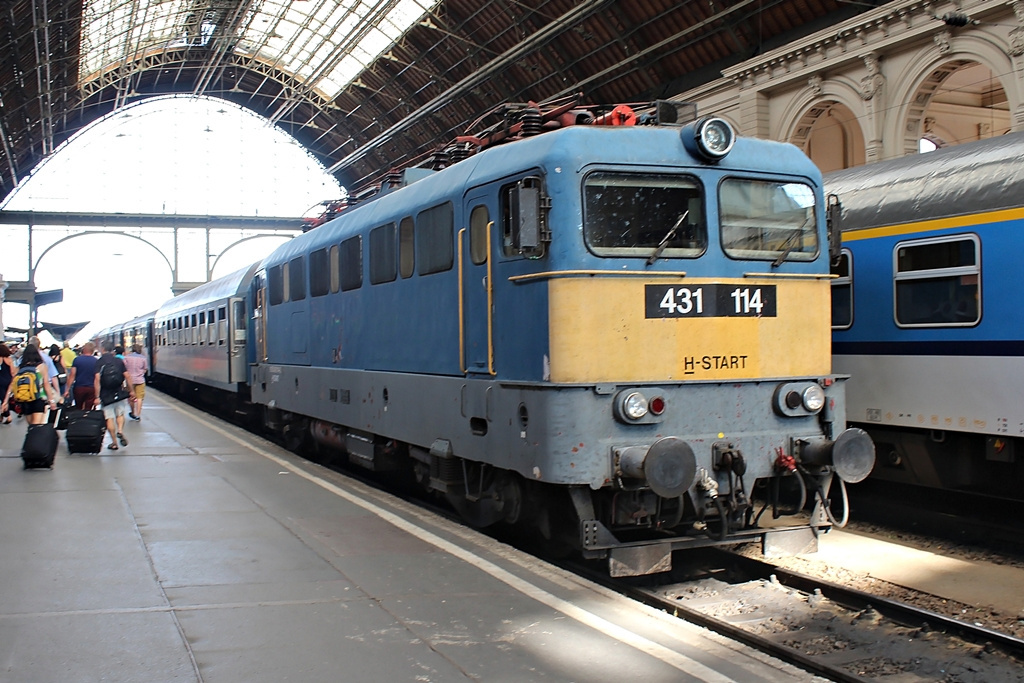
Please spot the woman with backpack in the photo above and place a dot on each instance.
(7, 372)
(31, 387)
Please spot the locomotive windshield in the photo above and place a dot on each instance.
(628, 214)
(768, 220)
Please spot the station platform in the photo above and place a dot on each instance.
(200, 552)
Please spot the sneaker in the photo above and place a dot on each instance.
(134, 417)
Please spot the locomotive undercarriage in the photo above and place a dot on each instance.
(629, 524)
(516, 455)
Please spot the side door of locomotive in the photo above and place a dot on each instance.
(475, 249)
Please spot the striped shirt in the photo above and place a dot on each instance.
(136, 366)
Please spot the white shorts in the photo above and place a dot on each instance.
(114, 409)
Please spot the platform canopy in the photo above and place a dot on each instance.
(366, 85)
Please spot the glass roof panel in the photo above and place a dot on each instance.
(324, 43)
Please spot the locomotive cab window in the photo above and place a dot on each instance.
(842, 292)
(937, 282)
(768, 220)
(629, 214)
(524, 213)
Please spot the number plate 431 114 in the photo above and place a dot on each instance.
(709, 301)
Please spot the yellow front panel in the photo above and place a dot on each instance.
(600, 333)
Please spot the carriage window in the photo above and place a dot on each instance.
(938, 282)
(222, 325)
(296, 279)
(478, 222)
(383, 254)
(276, 283)
(629, 214)
(351, 263)
(842, 292)
(434, 249)
(406, 247)
(768, 220)
(319, 273)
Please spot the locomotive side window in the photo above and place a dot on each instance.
(434, 243)
(406, 247)
(296, 279)
(765, 220)
(319, 273)
(383, 254)
(629, 214)
(842, 292)
(938, 282)
(523, 218)
(335, 266)
(276, 282)
(351, 263)
(478, 221)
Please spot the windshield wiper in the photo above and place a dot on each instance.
(667, 238)
(790, 244)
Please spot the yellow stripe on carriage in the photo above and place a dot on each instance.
(937, 224)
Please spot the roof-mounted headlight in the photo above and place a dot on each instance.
(709, 138)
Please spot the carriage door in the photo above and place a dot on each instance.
(476, 286)
(237, 329)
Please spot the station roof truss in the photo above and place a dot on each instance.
(366, 85)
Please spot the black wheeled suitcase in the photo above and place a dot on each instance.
(66, 413)
(40, 446)
(85, 431)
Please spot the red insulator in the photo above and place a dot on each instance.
(622, 115)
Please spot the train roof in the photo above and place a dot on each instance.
(235, 284)
(976, 176)
(570, 149)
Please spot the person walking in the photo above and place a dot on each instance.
(51, 368)
(7, 372)
(34, 410)
(62, 373)
(110, 384)
(81, 378)
(137, 366)
(67, 357)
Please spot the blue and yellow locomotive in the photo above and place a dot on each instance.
(615, 336)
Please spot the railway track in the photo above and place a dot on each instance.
(832, 631)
